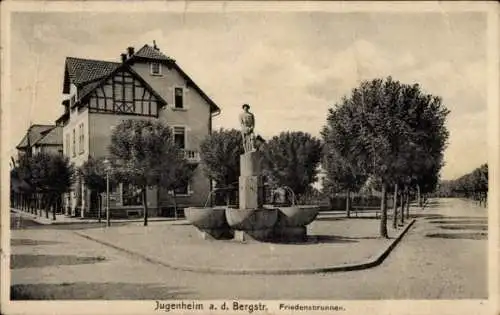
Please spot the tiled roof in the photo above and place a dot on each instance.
(35, 133)
(88, 74)
(87, 88)
(51, 137)
(149, 52)
(81, 70)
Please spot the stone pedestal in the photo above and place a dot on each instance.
(251, 188)
(253, 235)
(216, 234)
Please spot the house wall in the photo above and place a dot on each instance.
(195, 116)
(78, 197)
(100, 128)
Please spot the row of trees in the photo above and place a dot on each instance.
(39, 181)
(385, 132)
(473, 185)
(391, 132)
(142, 153)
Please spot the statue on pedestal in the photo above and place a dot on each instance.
(247, 121)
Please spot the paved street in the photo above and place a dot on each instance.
(444, 256)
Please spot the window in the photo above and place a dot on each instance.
(180, 137)
(132, 196)
(81, 138)
(179, 97)
(74, 143)
(155, 68)
(183, 190)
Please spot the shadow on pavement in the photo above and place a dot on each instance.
(97, 291)
(30, 242)
(473, 221)
(329, 219)
(33, 261)
(475, 227)
(463, 218)
(466, 236)
(317, 239)
(426, 216)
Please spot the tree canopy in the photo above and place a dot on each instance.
(291, 159)
(392, 131)
(220, 154)
(144, 153)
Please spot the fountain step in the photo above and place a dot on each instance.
(253, 235)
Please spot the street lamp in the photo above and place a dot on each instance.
(107, 166)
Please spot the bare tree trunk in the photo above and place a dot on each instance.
(407, 206)
(419, 197)
(53, 203)
(383, 212)
(175, 204)
(348, 203)
(47, 205)
(404, 194)
(145, 205)
(227, 197)
(395, 207)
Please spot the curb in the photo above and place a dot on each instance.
(45, 221)
(339, 268)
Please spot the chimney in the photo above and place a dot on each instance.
(130, 51)
(154, 45)
(124, 57)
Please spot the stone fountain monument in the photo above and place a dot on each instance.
(252, 220)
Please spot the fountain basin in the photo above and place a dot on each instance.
(206, 218)
(297, 216)
(251, 219)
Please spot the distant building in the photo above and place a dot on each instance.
(41, 138)
(146, 84)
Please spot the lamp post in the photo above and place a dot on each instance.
(107, 167)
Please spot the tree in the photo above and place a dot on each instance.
(471, 185)
(93, 172)
(382, 126)
(291, 159)
(51, 176)
(341, 175)
(183, 173)
(144, 154)
(220, 155)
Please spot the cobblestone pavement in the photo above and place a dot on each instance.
(444, 256)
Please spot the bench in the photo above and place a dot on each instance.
(358, 210)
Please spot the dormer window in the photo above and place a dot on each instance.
(155, 68)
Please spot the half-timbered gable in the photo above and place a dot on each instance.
(124, 93)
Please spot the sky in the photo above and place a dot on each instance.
(289, 66)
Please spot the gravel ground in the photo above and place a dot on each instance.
(332, 242)
(427, 264)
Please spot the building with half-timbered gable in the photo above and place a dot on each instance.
(145, 84)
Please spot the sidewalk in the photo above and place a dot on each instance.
(63, 219)
(335, 244)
